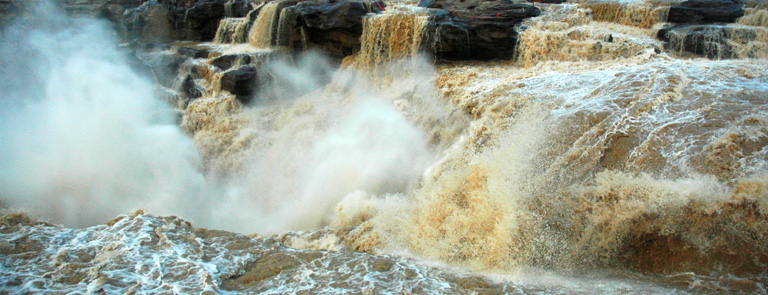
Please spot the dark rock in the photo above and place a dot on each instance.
(270, 264)
(93, 8)
(8, 11)
(332, 27)
(200, 21)
(383, 265)
(705, 12)
(225, 62)
(711, 41)
(194, 20)
(162, 66)
(474, 29)
(193, 52)
(156, 26)
(472, 283)
(190, 89)
(147, 23)
(242, 82)
(237, 8)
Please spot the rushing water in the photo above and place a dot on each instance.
(598, 161)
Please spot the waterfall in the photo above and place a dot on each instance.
(231, 31)
(395, 34)
(262, 32)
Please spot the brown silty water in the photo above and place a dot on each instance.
(594, 151)
(262, 31)
(599, 157)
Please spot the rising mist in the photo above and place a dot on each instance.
(86, 137)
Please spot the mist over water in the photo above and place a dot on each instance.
(296, 158)
(86, 138)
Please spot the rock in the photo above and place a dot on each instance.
(155, 26)
(711, 41)
(201, 21)
(113, 12)
(237, 8)
(193, 20)
(270, 264)
(475, 29)
(225, 62)
(383, 265)
(242, 82)
(7, 12)
(332, 27)
(472, 283)
(705, 12)
(192, 52)
(147, 23)
(162, 65)
(190, 89)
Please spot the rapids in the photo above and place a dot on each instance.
(600, 159)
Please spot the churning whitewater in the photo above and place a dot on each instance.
(369, 147)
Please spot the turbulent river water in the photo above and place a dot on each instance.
(599, 160)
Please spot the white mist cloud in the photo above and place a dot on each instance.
(315, 159)
(83, 137)
(308, 153)
(374, 149)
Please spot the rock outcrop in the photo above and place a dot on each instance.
(332, 27)
(474, 29)
(705, 12)
(242, 82)
(712, 41)
(700, 27)
(170, 20)
(167, 20)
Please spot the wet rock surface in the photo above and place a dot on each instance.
(161, 64)
(711, 41)
(475, 30)
(332, 27)
(705, 12)
(241, 82)
(227, 61)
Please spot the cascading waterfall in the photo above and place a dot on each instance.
(755, 17)
(232, 31)
(568, 34)
(582, 187)
(263, 29)
(642, 14)
(391, 36)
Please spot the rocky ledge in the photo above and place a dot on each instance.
(475, 29)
